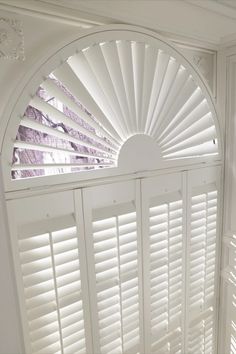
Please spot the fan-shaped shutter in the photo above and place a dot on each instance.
(50, 254)
(112, 89)
(164, 255)
(201, 266)
(112, 224)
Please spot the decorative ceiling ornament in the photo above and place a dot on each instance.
(11, 39)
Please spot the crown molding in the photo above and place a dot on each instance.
(172, 32)
(53, 12)
(228, 41)
(221, 8)
(84, 15)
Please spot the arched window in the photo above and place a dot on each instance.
(122, 259)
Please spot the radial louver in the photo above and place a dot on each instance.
(87, 108)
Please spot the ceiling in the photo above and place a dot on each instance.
(207, 21)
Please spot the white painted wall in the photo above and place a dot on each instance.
(11, 335)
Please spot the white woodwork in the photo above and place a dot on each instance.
(63, 225)
(125, 267)
(164, 254)
(203, 266)
(114, 262)
(228, 292)
(132, 83)
(49, 264)
(227, 289)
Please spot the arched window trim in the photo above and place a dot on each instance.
(51, 213)
(97, 35)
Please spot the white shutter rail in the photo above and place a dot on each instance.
(163, 268)
(116, 86)
(202, 261)
(113, 247)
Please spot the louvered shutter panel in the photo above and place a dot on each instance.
(232, 317)
(232, 295)
(228, 317)
(126, 267)
(114, 262)
(202, 258)
(49, 257)
(117, 83)
(163, 221)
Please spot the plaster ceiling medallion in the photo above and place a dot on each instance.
(11, 39)
(109, 90)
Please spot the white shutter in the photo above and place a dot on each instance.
(128, 267)
(232, 294)
(163, 221)
(51, 277)
(113, 251)
(116, 84)
(228, 317)
(233, 320)
(202, 260)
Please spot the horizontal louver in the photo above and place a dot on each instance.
(52, 286)
(166, 276)
(144, 255)
(201, 333)
(116, 268)
(229, 293)
(202, 269)
(233, 336)
(102, 95)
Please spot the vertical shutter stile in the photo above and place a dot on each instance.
(56, 291)
(186, 246)
(141, 258)
(91, 274)
(79, 208)
(146, 267)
